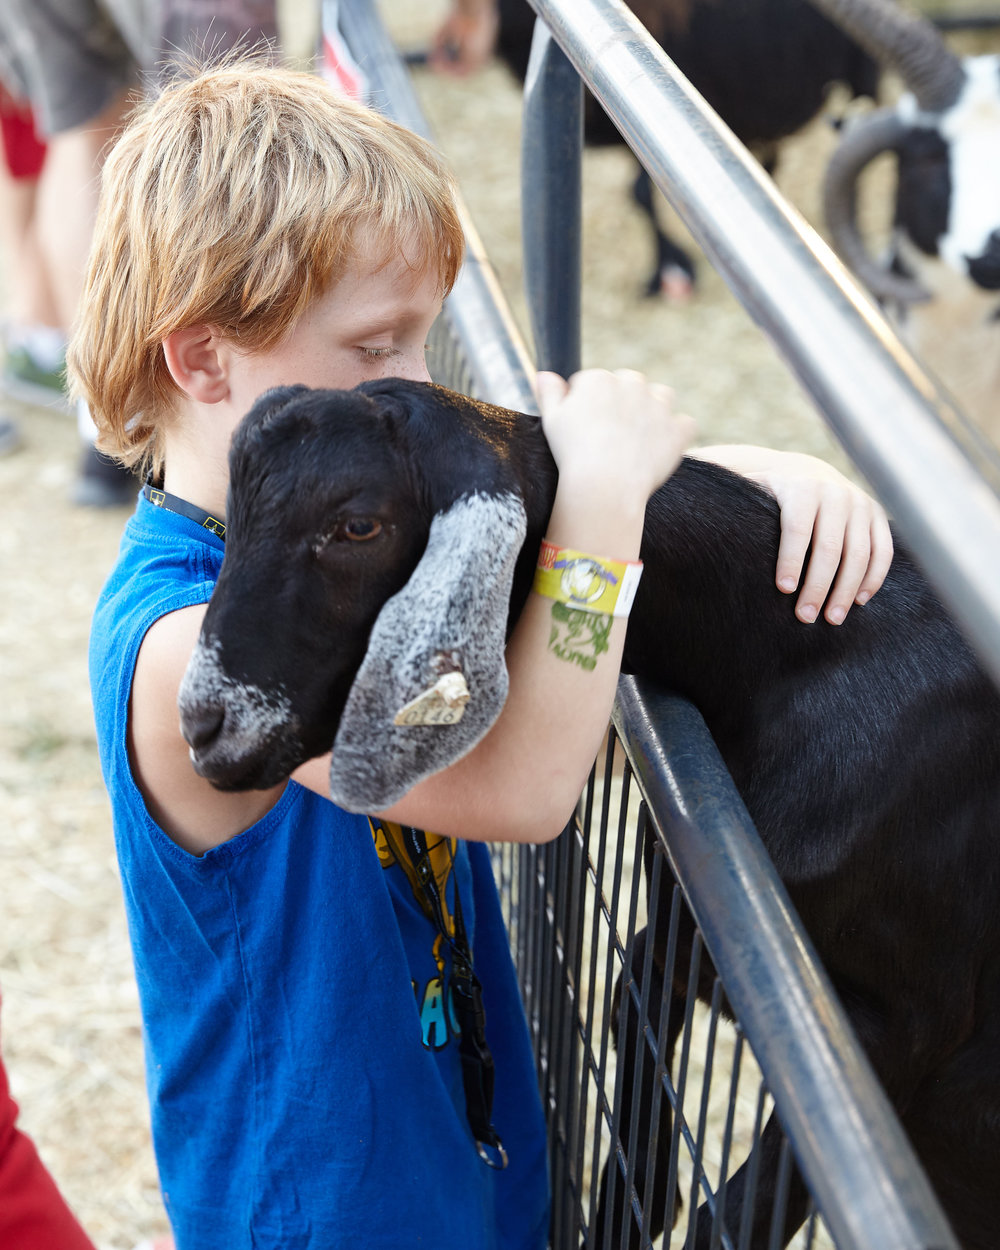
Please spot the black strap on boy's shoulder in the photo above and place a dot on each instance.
(478, 1071)
(173, 503)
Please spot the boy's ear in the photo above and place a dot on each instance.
(196, 364)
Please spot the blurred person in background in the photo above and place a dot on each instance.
(35, 344)
(465, 40)
(70, 69)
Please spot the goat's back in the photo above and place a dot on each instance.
(888, 712)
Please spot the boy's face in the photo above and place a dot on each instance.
(372, 323)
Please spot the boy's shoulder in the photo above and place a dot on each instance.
(164, 562)
(145, 626)
(163, 566)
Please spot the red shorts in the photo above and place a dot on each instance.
(33, 1214)
(23, 151)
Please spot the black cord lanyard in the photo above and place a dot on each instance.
(478, 1072)
(173, 503)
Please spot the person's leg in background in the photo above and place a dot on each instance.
(33, 1213)
(68, 60)
(72, 174)
(34, 341)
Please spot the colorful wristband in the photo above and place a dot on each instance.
(589, 583)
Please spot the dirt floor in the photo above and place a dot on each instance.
(70, 1022)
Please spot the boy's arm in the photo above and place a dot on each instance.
(193, 812)
(615, 440)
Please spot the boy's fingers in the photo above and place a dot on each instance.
(828, 542)
(881, 557)
(796, 535)
(853, 569)
(850, 556)
(549, 388)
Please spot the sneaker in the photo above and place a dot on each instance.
(23, 378)
(10, 435)
(102, 482)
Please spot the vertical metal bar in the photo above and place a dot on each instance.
(780, 1208)
(680, 1125)
(719, 1228)
(699, 1180)
(750, 1192)
(592, 995)
(568, 888)
(641, 1058)
(552, 139)
(617, 1165)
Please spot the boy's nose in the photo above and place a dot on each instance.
(412, 368)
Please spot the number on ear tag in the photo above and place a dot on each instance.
(441, 704)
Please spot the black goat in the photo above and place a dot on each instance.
(765, 66)
(868, 754)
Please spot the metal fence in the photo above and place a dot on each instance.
(674, 1125)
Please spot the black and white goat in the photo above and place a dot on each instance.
(765, 66)
(941, 277)
(374, 534)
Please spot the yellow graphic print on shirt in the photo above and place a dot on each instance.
(429, 879)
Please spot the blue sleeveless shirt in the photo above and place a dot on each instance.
(301, 1061)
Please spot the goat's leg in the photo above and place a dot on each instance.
(885, 1041)
(639, 1102)
(765, 1160)
(953, 1122)
(674, 275)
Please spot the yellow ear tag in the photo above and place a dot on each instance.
(441, 704)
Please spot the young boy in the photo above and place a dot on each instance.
(302, 1059)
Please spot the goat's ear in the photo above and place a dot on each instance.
(275, 399)
(407, 715)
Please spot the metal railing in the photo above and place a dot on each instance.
(576, 908)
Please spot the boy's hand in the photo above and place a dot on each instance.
(847, 529)
(612, 433)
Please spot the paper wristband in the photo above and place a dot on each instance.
(588, 583)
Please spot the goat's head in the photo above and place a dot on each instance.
(945, 132)
(371, 542)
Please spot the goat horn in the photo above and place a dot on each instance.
(907, 42)
(863, 141)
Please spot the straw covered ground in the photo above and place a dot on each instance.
(70, 1021)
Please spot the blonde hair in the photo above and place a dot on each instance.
(235, 199)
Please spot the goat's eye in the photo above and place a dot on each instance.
(358, 530)
(355, 529)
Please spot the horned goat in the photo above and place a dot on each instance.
(941, 276)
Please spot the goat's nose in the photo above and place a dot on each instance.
(984, 270)
(202, 724)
